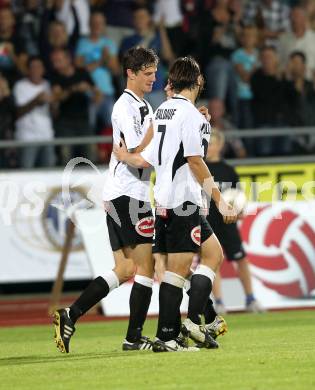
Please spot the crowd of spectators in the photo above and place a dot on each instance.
(60, 68)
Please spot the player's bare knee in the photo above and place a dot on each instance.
(130, 269)
(217, 259)
(125, 270)
(179, 269)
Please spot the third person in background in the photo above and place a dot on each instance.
(228, 234)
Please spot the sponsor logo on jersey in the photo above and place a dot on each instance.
(145, 227)
(137, 126)
(195, 235)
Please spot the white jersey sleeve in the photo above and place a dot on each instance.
(191, 136)
(148, 153)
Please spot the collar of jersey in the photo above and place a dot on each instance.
(129, 92)
(179, 96)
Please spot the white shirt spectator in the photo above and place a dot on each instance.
(169, 11)
(289, 42)
(65, 16)
(37, 124)
(275, 17)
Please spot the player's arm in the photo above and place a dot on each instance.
(145, 142)
(205, 112)
(193, 153)
(133, 159)
(205, 179)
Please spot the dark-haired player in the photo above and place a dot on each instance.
(215, 324)
(129, 216)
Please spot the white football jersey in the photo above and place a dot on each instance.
(131, 118)
(180, 131)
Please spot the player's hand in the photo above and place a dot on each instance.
(204, 111)
(120, 150)
(228, 212)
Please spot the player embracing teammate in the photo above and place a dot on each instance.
(129, 215)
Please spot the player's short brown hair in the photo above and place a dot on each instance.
(138, 58)
(184, 74)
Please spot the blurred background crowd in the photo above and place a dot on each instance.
(60, 69)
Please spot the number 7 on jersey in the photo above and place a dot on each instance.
(162, 130)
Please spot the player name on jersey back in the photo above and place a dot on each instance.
(166, 113)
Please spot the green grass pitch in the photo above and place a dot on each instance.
(260, 352)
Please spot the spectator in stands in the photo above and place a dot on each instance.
(119, 19)
(29, 27)
(220, 32)
(299, 99)
(12, 55)
(7, 157)
(146, 35)
(33, 97)
(233, 148)
(245, 60)
(228, 235)
(300, 38)
(57, 38)
(270, 16)
(268, 102)
(54, 34)
(169, 13)
(71, 87)
(98, 55)
(65, 14)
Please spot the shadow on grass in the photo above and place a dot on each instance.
(38, 359)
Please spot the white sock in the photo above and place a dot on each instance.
(174, 279)
(205, 271)
(144, 280)
(112, 280)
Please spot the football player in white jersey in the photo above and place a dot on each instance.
(129, 216)
(176, 151)
(210, 250)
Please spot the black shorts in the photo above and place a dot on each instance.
(130, 222)
(230, 239)
(206, 229)
(175, 232)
